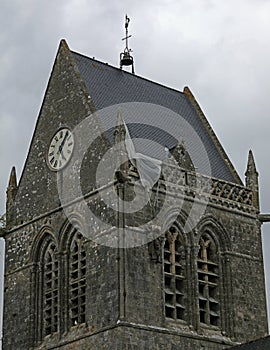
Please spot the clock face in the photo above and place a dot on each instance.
(60, 149)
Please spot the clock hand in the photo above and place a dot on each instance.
(60, 149)
(64, 140)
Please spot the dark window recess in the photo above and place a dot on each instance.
(77, 280)
(174, 275)
(208, 281)
(50, 291)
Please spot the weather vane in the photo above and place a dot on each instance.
(125, 57)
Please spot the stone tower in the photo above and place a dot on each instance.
(84, 269)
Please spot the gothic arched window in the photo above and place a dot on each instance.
(50, 279)
(174, 275)
(77, 280)
(208, 280)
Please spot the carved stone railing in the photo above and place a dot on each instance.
(231, 191)
(216, 190)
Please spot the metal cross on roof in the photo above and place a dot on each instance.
(125, 58)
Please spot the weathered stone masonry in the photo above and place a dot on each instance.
(202, 289)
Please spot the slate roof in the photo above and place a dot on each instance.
(109, 86)
(260, 344)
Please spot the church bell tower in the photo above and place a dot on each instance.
(129, 227)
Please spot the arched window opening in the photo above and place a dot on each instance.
(174, 275)
(50, 290)
(77, 280)
(208, 281)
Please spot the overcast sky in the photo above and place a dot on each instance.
(220, 49)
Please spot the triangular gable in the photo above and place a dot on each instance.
(66, 103)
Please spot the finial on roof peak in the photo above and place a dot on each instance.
(252, 179)
(119, 120)
(125, 57)
(63, 43)
(251, 166)
(11, 189)
(12, 178)
(120, 128)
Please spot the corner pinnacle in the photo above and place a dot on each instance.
(11, 189)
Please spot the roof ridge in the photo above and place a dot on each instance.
(126, 72)
(212, 134)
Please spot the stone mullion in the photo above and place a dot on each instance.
(195, 286)
(206, 288)
(62, 292)
(71, 283)
(83, 258)
(80, 279)
(172, 249)
(189, 288)
(47, 295)
(39, 300)
(55, 291)
(222, 293)
(207, 296)
(226, 307)
(204, 246)
(33, 303)
(172, 261)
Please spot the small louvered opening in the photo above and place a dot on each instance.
(50, 288)
(77, 281)
(174, 279)
(208, 281)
